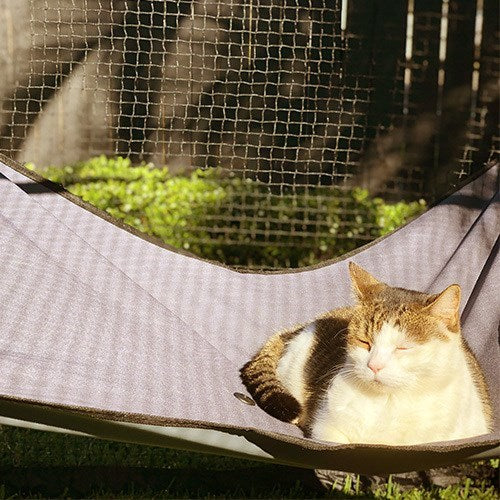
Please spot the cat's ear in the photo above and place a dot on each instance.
(363, 283)
(445, 306)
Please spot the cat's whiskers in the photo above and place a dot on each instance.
(330, 373)
(342, 374)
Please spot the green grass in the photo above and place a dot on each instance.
(36, 464)
(41, 464)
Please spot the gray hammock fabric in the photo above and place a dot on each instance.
(108, 333)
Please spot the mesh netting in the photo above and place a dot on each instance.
(308, 97)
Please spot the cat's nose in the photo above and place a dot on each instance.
(375, 366)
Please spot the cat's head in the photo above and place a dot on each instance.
(398, 338)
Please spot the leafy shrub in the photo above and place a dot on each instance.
(237, 221)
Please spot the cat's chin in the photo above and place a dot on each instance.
(386, 388)
(381, 385)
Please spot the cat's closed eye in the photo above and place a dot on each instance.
(388, 370)
(365, 343)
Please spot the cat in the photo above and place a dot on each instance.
(393, 369)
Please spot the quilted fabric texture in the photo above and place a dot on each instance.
(98, 320)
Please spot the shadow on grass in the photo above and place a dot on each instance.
(36, 464)
(101, 481)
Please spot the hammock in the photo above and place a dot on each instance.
(107, 332)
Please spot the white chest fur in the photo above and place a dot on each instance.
(355, 413)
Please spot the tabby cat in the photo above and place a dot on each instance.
(393, 369)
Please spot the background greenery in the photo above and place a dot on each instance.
(241, 223)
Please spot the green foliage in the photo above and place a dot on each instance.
(240, 222)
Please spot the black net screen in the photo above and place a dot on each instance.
(302, 114)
